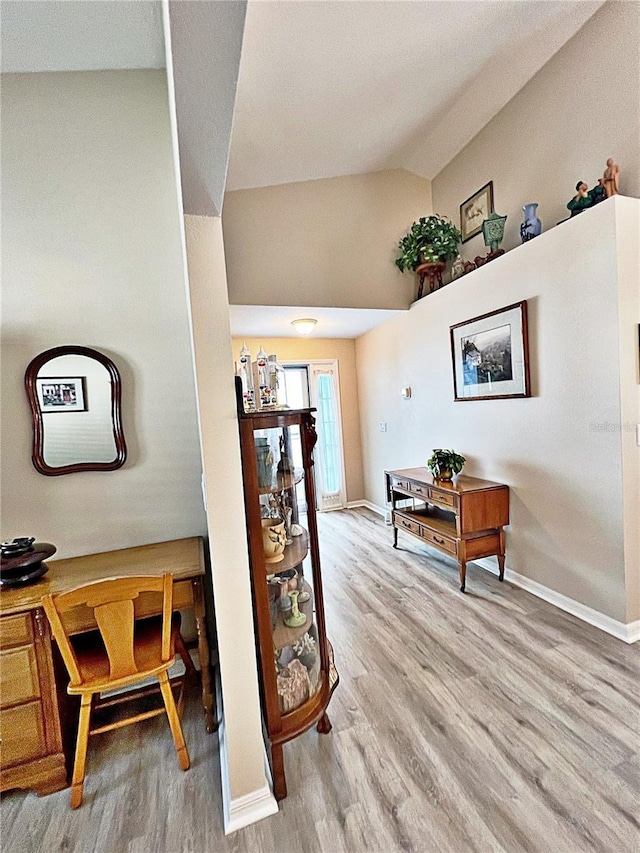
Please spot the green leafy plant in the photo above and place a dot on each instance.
(431, 239)
(445, 461)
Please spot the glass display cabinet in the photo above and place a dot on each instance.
(298, 675)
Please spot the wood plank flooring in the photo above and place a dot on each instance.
(481, 723)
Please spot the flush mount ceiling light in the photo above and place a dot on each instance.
(304, 326)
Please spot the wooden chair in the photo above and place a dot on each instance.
(124, 653)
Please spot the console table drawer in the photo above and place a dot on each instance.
(406, 523)
(440, 541)
(443, 499)
(419, 490)
(400, 484)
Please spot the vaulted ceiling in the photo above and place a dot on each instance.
(325, 87)
(339, 87)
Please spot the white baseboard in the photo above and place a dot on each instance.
(373, 507)
(241, 811)
(628, 633)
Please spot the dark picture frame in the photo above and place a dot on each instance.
(490, 355)
(475, 210)
(61, 394)
(31, 378)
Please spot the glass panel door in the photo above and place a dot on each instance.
(325, 395)
(288, 575)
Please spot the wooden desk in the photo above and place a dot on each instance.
(32, 693)
(463, 518)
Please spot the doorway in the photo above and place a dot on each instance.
(317, 384)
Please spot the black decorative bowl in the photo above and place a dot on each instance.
(21, 562)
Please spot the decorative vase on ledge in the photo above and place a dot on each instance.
(531, 226)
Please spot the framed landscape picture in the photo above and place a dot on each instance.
(490, 355)
(475, 210)
(61, 394)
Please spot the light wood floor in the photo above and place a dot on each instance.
(487, 722)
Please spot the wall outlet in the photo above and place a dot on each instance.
(382, 426)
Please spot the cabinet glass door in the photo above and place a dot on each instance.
(285, 542)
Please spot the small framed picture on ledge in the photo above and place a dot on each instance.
(61, 394)
(490, 355)
(475, 210)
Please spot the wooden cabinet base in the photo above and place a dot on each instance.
(44, 775)
(324, 725)
(279, 775)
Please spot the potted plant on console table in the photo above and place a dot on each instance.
(445, 463)
(431, 241)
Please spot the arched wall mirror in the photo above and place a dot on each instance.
(74, 394)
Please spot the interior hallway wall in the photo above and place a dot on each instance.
(323, 243)
(563, 451)
(91, 255)
(245, 787)
(582, 107)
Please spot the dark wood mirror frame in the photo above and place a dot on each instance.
(30, 377)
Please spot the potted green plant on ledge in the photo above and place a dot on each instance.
(431, 241)
(445, 463)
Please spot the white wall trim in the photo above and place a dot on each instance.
(373, 507)
(249, 808)
(628, 633)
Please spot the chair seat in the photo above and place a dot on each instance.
(93, 661)
(122, 651)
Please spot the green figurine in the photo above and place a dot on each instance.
(586, 197)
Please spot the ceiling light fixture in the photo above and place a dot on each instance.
(304, 326)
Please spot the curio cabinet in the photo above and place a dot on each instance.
(297, 670)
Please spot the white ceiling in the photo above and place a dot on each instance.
(273, 321)
(341, 87)
(81, 35)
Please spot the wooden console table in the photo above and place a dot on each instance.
(34, 752)
(463, 518)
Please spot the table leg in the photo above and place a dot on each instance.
(395, 537)
(501, 555)
(208, 700)
(462, 563)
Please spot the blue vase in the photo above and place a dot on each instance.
(531, 226)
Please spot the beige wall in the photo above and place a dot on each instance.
(628, 235)
(242, 747)
(560, 450)
(92, 256)
(323, 243)
(344, 350)
(582, 107)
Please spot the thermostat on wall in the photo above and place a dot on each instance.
(405, 392)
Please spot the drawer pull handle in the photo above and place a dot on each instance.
(439, 541)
